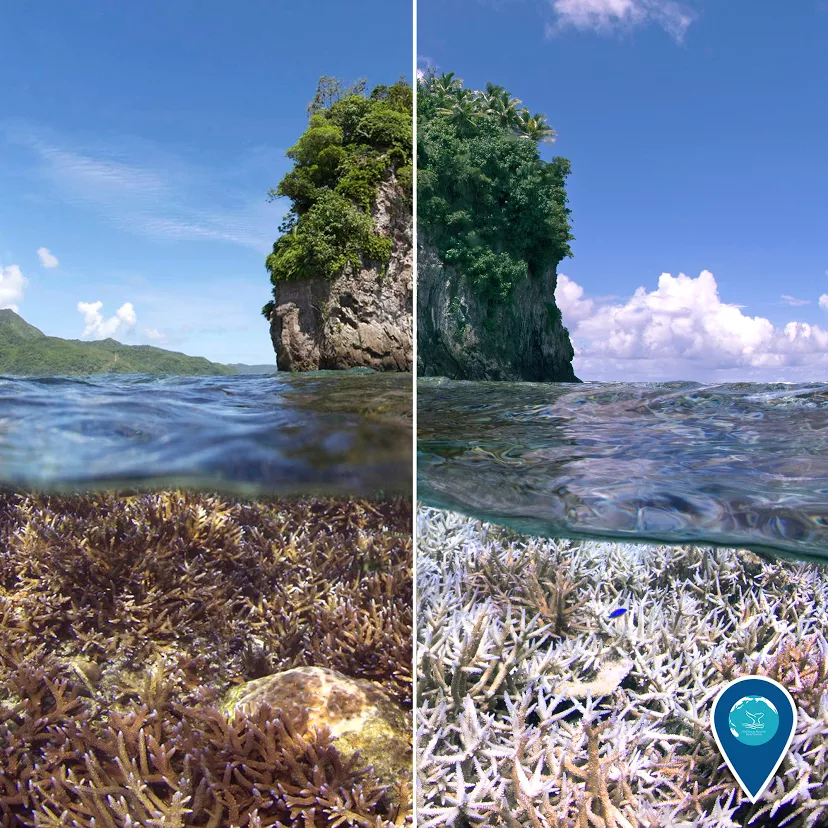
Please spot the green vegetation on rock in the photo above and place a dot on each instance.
(27, 351)
(487, 201)
(353, 142)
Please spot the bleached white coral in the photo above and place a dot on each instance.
(538, 707)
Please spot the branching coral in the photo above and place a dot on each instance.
(600, 721)
(234, 590)
(175, 766)
(123, 619)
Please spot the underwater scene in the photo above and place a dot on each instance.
(343, 432)
(595, 562)
(205, 600)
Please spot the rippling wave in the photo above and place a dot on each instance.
(326, 432)
(742, 465)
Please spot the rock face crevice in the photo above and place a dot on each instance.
(360, 319)
(459, 337)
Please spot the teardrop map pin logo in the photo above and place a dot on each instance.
(753, 721)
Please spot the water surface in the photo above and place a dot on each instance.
(338, 433)
(742, 465)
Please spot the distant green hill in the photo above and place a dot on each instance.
(241, 368)
(27, 351)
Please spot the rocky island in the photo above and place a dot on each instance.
(493, 226)
(342, 268)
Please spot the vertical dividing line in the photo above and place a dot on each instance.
(414, 705)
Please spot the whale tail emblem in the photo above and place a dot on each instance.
(755, 719)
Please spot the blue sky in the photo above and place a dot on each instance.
(697, 134)
(137, 145)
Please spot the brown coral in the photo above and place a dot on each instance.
(179, 766)
(359, 714)
(256, 587)
(123, 619)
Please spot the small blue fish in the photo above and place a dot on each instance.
(617, 613)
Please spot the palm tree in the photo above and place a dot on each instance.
(502, 106)
(444, 87)
(448, 82)
(463, 107)
(535, 127)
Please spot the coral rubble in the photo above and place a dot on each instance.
(124, 620)
(538, 705)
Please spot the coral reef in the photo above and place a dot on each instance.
(124, 620)
(167, 764)
(540, 705)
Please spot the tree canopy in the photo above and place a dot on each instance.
(352, 141)
(485, 197)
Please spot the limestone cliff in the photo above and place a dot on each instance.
(360, 318)
(458, 337)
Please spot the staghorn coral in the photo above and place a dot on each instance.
(123, 621)
(176, 765)
(535, 708)
(234, 590)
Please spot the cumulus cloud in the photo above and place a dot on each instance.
(12, 286)
(570, 298)
(823, 301)
(794, 302)
(155, 335)
(605, 15)
(97, 327)
(683, 330)
(47, 259)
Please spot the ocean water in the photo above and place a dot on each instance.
(327, 433)
(736, 465)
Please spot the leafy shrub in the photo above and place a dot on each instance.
(352, 143)
(330, 235)
(386, 128)
(359, 177)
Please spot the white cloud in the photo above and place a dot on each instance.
(155, 335)
(12, 285)
(683, 330)
(794, 302)
(603, 15)
(47, 259)
(96, 327)
(569, 296)
(141, 190)
(823, 301)
(424, 66)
